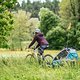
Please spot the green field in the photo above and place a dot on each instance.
(19, 69)
(13, 68)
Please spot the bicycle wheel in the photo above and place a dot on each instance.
(30, 58)
(48, 60)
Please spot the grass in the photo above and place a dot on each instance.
(19, 69)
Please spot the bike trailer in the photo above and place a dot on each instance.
(67, 54)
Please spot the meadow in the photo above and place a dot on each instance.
(17, 68)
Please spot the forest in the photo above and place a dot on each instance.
(58, 20)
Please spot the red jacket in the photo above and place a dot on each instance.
(40, 39)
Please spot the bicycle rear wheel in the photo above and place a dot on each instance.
(30, 58)
(48, 60)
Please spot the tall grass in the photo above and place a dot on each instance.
(21, 69)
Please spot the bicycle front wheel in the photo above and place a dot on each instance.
(30, 58)
(48, 60)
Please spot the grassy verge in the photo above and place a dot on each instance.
(20, 69)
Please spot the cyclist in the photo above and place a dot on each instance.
(40, 39)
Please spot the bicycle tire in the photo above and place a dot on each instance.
(30, 58)
(48, 59)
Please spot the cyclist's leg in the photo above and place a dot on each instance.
(42, 48)
(41, 51)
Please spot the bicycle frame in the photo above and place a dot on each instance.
(35, 52)
(40, 58)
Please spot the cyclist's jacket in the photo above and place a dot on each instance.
(40, 39)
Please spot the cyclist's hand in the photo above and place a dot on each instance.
(25, 48)
(34, 48)
(28, 50)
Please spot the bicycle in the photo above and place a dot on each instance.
(41, 59)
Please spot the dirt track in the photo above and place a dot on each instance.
(15, 54)
(7, 54)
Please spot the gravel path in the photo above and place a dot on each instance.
(16, 54)
(6, 54)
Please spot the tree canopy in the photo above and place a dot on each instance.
(6, 20)
(59, 22)
(48, 20)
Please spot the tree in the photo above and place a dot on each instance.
(69, 10)
(17, 7)
(23, 29)
(52, 5)
(35, 6)
(23, 5)
(56, 38)
(65, 9)
(48, 20)
(6, 20)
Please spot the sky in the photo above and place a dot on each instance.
(30, 0)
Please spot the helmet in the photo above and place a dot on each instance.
(37, 30)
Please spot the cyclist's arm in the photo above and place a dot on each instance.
(33, 41)
(37, 46)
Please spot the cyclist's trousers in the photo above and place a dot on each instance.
(42, 48)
